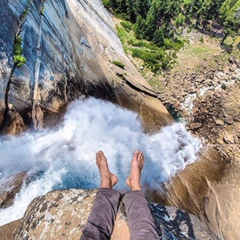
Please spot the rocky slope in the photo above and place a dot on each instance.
(204, 92)
(69, 48)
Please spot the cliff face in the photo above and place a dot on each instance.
(69, 48)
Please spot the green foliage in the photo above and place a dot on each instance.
(150, 16)
(118, 63)
(130, 10)
(121, 33)
(155, 60)
(158, 37)
(127, 25)
(18, 45)
(155, 25)
(140, 28)
(154, 57)
(141, 8)
(175, 44)
(180, 20)
(143, 43)
(19, 60)
(107, 3)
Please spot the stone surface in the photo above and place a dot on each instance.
(7, 230)
(63, 214)
(10, 189)
(228, 138)
(219, 122)
(69, 48)
(212, 194)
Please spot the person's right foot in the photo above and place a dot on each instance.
(108, 180)
(133, 181)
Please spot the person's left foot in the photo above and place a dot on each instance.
(108, 180)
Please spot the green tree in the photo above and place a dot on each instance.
(130, 11)
(230, 17)
(140, 28)
(152, 20)
(121, 6)
(114, 4)
(141, 8)
(160, 14)
(158, 37)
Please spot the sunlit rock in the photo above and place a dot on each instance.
(63, 214)
(69, 47)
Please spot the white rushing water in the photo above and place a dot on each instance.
(64, 157)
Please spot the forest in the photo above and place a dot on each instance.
(152, 29)
(155, 19)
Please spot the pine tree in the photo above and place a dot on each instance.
(140, 28)
(230, 17)
(152, 20)
(158, 37)
(130, 11)
(141, 8)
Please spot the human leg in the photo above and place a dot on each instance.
(140, 221)
(101, 220)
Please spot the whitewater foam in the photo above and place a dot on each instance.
(64, 157)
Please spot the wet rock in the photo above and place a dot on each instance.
(14, 123)
(9, 190)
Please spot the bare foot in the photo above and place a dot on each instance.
(108, 180)
(133, 181)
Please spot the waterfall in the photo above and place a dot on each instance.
(64, 157)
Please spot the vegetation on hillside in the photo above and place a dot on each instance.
(151, 29)
(158, 19)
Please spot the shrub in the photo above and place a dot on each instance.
(127, 25)
(106, 3)
(118, 63)
(180, 21)
(18, 59)
(175, 44)
(121, 33)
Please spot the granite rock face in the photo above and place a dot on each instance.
(63, 214)
(69, 48)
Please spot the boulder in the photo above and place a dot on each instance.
(63, 214)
